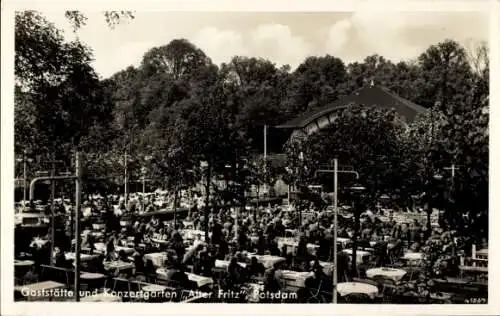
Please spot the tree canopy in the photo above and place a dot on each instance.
(178, 111)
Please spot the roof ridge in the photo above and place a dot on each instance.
(406, 102)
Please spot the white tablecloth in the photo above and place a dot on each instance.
(101, 247)
(390, 273)
(359, 254)
(343, 241)
(158, 258)
(154, 288)
(414, 256)
(295, 278)
(223, 264)
(347, 288)
(118, 266)
(200, 280)
(192, 233)
(23, 263)
(292, 245)
(267, 260)
(92, 276)
(83, 256)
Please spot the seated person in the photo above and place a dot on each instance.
(362, 267)
(180, 278)
(234, 271)
(256, 268)
(122, 256)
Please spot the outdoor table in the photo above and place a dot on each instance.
(223, 264)
(390, 273)
(200, 280)
(343, 241)
(292, 244)
(158, 258)
(118, 266)
(359, 254)
(101, 297)
(191, 233)
(267, 260)
(101, 247)
(482, 254)
(347, 288)
(23, 263)
(413, 256)
(38, 289)
(83, 256)
(158, 242)
(373, 243)
(328, 267)
(92, 280)
(127, 250)
(98, 226)
(92, 276)
(154, 288)
(295, 278)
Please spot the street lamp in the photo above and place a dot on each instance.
(24, 159)
(335, 172)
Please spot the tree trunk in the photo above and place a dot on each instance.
(207, 201)
(176, 203)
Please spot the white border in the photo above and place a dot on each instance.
(7, 156)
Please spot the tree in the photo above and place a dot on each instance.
(113, 18)
(255, 89)
(317, 82)
(55, 88)
(447, 76)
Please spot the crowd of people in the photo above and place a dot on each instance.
(237, 246)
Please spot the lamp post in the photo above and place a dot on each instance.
(335, 172)
(24, 160)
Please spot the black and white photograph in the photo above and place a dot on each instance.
(252, 157)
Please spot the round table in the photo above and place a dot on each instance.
(390, 273)
(347, 288)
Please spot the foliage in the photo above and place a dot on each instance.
(180, 110)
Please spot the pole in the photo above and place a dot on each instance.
(143, 186)
(24, 178)
(265, 154)
(335, 230)
(126, 178)
(52, 209)
(78, 194)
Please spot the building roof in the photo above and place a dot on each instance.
(367, 96)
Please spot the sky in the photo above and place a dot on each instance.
(284, 38)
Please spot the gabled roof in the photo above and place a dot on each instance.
(368, 96)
